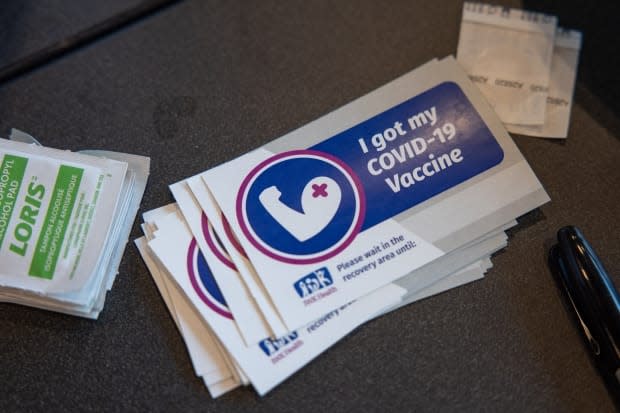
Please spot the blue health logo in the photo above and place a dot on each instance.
(313, 282)
(271, 346)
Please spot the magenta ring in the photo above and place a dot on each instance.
(289, 260)
(193, 279)
(206, 225)
(231, 236)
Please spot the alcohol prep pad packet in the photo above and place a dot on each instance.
(63, 217)
(507, 54)
(49, 200)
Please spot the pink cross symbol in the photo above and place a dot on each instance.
(319, 190)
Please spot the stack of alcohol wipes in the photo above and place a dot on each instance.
(267, 260)
(65, 219)
(524, 65)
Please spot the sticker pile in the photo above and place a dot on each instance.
(524, 65)
(267, 260)
(65, 219)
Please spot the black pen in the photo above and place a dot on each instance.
(592, 296)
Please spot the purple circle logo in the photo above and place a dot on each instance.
(301, 206)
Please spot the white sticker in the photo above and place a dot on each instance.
(248, 317)
(373, 191)
(272, 360)
(305, 286)
(207, 359)
(238, 255)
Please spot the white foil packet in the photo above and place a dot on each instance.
(561, 88)
(507, 54)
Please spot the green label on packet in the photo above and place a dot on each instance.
(56, 222)
(11, 176)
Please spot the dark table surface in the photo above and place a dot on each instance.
(201, 82)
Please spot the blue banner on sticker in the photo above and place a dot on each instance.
(416, 150)
(305, 206)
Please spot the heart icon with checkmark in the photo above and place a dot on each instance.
(320, 200)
